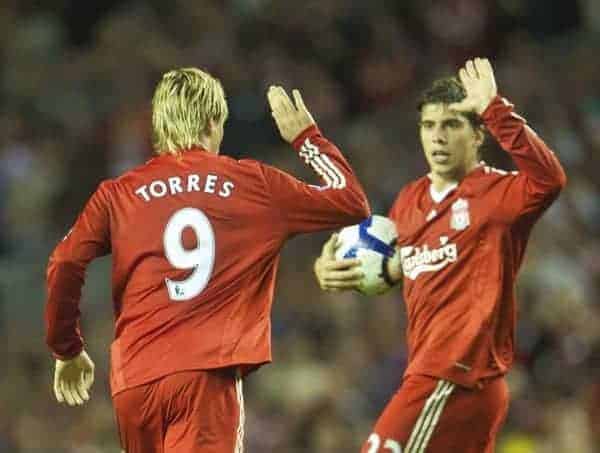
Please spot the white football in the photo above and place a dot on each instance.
(371, 241)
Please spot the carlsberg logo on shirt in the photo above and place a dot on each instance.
(416, 260)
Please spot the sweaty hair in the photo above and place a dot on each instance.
(447, 91)
(184, 102)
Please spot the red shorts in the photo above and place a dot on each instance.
(427, 415)
(191, 411)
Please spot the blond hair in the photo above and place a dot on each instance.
(184, 102)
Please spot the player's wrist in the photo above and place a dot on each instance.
(481, 108)
(488, 112)
(317, 268)
(390, 277)
(68, 355)
(391, 271)
(308, 132)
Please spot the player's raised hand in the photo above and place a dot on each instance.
(291, 117)
(336, 275)
(477, 76)
(73, 379)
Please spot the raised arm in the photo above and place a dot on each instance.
(540, 177)
(339, 201)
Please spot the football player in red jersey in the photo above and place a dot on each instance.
(462, 233)
(195, 239)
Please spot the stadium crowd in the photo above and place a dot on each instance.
(75, 86)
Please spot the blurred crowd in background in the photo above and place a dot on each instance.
(75, 86)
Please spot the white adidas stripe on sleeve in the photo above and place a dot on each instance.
(323, 165)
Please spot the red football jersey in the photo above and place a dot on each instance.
(460, 255)
(195, 242)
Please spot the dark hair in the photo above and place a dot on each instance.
(447, 91)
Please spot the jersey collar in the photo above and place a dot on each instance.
(440, 196)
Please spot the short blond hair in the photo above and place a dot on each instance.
(184, 101)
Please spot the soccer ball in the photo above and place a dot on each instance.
(372, 242)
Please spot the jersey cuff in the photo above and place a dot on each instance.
(68, 356)
(310, 131)
(385, 274)
(496, 106)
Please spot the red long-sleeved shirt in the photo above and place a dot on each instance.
(460, 257)
(195, 243)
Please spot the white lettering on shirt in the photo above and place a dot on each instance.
(416, 260)
(209, 185)
(191, 183)
(158, 189)
(175, 185)
(226, 189)
(142, 192)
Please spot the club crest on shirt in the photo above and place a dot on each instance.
(459, 220)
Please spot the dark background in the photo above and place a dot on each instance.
(75, 85)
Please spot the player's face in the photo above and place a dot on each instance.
(449, 141)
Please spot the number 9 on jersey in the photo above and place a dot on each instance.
(199, 259)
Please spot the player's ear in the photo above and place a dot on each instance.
(479, 135)
(211, 127)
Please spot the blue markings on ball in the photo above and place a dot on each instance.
(351, 253)
(367, 241)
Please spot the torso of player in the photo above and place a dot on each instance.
(459, 267)
(195, 241)
(191, 240)
(182, 210)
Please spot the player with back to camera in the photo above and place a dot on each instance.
(195, 239)
(462, 232)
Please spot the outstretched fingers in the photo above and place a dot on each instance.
(471, 69)
(339, 265)
(485, 68)
(66, 391)
(339, 285)
(88, 379)
(284, 100)
(328, 250)
(351, 274)
(274, 101)
(58, 391)
(299, 101)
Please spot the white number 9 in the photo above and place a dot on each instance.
(201, 259)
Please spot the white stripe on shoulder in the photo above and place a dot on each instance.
(498, 171)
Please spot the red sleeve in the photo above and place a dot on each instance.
(304, 207)
(540, 177)
(394, 211)
(89, 238)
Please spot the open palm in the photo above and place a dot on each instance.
(477, 76)
(291, 117)
(73, 379)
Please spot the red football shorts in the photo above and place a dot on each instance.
(428, 415)
(191, 411)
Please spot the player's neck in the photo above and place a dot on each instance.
(441, 181)
(208, 144)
